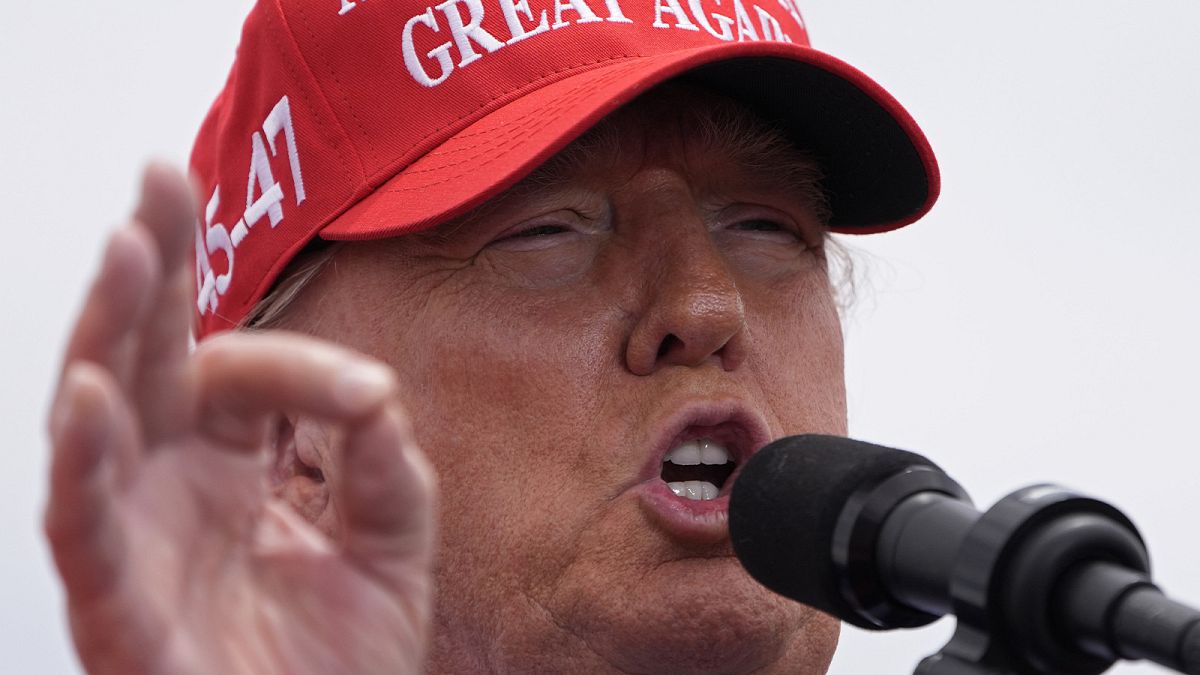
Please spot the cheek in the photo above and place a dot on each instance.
(506, 371)
(504, 395)
(798, 355)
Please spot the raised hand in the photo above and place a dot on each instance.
(174, 554)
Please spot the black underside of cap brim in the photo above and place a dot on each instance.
(874, 176)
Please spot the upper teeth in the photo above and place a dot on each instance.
(701, 451)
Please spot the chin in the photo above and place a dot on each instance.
(705, 615)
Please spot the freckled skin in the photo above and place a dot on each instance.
(538, 372)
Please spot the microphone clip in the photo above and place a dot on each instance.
(1024, 569)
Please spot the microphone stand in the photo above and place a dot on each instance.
(1048, 581)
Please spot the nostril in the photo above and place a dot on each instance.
(668, 343)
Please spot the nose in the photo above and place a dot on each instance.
(693, 312)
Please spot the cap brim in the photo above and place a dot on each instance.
(880, 172)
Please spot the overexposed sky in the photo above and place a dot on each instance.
(1039, 325)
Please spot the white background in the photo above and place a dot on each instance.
(1040, 324)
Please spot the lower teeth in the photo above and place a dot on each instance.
(696, 490)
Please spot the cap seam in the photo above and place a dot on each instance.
(353, 149)
(506, 140)
(362, 130)
(559, 103)
(388, 171)
(551, 74)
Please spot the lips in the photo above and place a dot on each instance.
(731, 427)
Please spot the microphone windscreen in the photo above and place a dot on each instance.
(785, 506)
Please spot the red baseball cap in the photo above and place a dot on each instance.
(363, 119)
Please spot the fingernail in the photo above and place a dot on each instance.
(362, 386)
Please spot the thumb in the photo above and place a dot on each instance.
(388, 500)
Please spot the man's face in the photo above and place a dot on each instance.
(660, 283)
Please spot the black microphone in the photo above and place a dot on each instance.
(1046, 581)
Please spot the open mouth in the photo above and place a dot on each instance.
(698, 469)
(685, 484)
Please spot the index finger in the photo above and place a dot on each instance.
(242, 379)
(158, 388)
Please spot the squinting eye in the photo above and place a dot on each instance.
(766, 229)
(535, 238)
(536, 231)
(760, 225)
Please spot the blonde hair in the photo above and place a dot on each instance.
(299, 273)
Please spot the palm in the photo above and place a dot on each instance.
(175, 556)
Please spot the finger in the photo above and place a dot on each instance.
(114, 303)
(387, 499)
(166, 210)
(166, 213)
(93, 439)
(244, 378)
